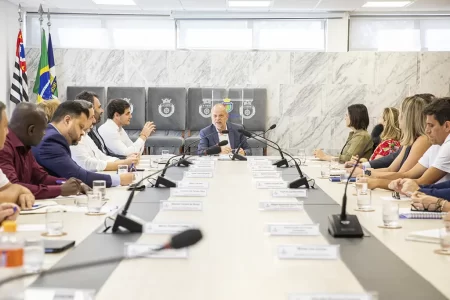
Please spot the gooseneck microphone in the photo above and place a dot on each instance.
(181, 240)
(344, 225)
(236, 154)
(187, 163)
(302, 181)
(162, 181)
(283, 161)
(130, 222)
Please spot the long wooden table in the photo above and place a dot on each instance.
(237, 258)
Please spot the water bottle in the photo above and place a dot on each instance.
(11, 261)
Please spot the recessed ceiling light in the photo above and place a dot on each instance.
(380, 4)
(235, 3)
(114, 2)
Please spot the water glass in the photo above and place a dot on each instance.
(94, 202)
(33, 255)
(122, 169)
(325, 170)
(54, 221)
(302, 156)
(363, 198)
(154, 163)
(390, 214)
(99, 186)
(165, 154)
(445, 237)
(334, 163)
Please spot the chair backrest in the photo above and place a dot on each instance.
(136, 96)
(73, 91)
(200, 103)
(249, 108)
(167, 108)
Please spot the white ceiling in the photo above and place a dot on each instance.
(145, 6)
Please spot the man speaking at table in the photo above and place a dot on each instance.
(212, 135)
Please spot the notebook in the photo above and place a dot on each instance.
(39, 207)
(406, 213)
(426, 236)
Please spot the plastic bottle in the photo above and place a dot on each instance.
(11, 261)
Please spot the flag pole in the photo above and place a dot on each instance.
(41, 12)
(19, 11)
(49, 23)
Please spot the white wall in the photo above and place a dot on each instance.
(9, 27)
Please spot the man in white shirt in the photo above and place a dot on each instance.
(434, 166)
(116, 139)
(86, 153)
(11, 193)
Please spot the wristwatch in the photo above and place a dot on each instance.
(368, 172)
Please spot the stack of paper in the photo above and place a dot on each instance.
(426, 236)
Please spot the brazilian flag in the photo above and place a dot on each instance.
(42, 85)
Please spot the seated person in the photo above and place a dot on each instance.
(434, 165)
(26, 129)
(212, 135)
(88, 156)
(116, 139)
(49, 107)
(410, 186)
(93, 133)
(11, 193)
(414, 143)
(8, 212)
(359, 140)
(66, 128)
(390, 136)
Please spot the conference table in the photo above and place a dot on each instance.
(238, 258)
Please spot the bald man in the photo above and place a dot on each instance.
(212, 135)
(26, 129)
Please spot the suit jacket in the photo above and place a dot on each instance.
(98, 140)
(386, 161)
(53, 153)
(210, 137)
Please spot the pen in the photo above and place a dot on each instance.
(14, 209)
(60, 182)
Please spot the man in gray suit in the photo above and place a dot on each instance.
(212, 135)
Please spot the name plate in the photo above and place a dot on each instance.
(266, 174)
(195, 174)
(182, 205)
(326, 252)
(153, 228)
(289, 193)
(204, 163)
(263, 168)
(187, 192)
(58, 294)
(293, 229)
(281, 206)
(144, 250)
(331, 297)
(201, 169)
(255, 163)
(271, 184)
(193, 184)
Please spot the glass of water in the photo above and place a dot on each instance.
(325, 170)
(390, 214)
(33, 255)
(94, 202)
(334, 163)
(363, 198)
(302, 156)
(165, 154)
(122, 169)
(99, 186)
(445, 237)
(54, 221)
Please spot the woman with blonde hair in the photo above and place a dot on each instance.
(49, 107)
(414, 141)
(391, 134)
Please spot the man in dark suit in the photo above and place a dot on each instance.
(67, 126)
(93, 133)
(212, 135)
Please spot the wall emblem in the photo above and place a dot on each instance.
(166, 108)
(247, 110)
(228, 104)
(205, 108)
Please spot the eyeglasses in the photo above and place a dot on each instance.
(396, 195)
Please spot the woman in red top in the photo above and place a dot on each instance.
(391, 134)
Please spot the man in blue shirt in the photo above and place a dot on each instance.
(70, 120)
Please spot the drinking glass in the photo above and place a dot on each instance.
(122, 169)
(165, 154)
(390, 214)
(364, 199)
(33, 255)
(334, 163)
(94, 202)
(325, 170)
(445, 237)
(99, 186)
(302, 156)
(54, 221)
